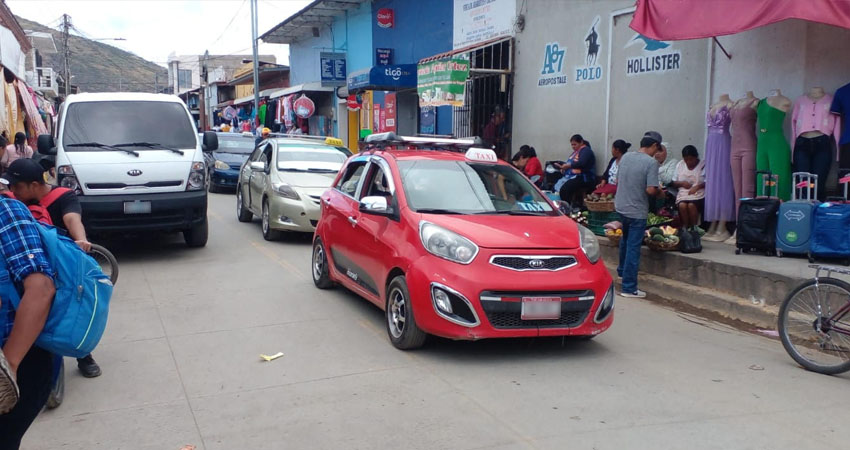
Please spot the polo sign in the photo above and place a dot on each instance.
(386, 18)
(591, 70)
(552, 73)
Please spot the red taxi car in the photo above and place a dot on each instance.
(457, 244)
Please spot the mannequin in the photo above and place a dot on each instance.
(811, 125)
(841, 108)
(773, 154)
(719, 187)
(743, 155)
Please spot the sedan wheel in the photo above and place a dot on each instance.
(401, 325)
(268, 233)
(242, 213)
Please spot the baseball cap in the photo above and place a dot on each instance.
(23, 170)
(266, 131)
(654, 135)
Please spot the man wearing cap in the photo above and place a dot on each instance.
(637, 179)
(26, 180)
(264, 135)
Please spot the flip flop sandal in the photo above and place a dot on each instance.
(9, 391)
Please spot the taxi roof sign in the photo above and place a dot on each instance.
(481, 155)
(337, 142)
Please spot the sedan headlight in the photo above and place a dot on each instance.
(221, 165)
(285, 190)
(589, 244)
(447, 244)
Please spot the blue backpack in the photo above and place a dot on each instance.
(80, 307)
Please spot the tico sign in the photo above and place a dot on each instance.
(386, 18)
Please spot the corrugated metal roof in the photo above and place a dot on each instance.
(317, 14)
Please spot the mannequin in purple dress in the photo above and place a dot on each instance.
(719, 190)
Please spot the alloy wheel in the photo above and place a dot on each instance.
(238, 202)
(265, 218)
(318, 262)
(398, 312)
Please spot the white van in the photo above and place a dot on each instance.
(135, 162)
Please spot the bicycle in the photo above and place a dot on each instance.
(814, 322)
(109, 265)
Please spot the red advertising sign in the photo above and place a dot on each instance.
(304, 107)
(386, 18)
(388, 114)
(376, 120)
(352, 103)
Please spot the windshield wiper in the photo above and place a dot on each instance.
(150, 145)
(104, 146)
(512, 212)
(439, 211)
(322, 170)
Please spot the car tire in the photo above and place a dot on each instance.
(196, 236)
(242, 213)
(319, 266)
(401, 324)
(268, 233)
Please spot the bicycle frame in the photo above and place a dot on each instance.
(833, 319)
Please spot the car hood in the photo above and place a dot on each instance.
(231, 158)
(103, 172)
(514, 232)
(308, 179)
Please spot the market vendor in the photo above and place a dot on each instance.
(529, 164)
(690, 185)
(579, 170)
(608, 183)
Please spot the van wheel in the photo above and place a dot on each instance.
(242, 213)
(268, 233)
(197, 236)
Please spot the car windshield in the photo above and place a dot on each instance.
(300, 157)
(121, 122)
(235, 145)
(464, 187)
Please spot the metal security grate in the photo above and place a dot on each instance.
(522, 263)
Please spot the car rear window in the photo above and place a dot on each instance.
(117, 122)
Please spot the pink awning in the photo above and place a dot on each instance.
(675, 20)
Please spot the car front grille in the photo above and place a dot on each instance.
(504, 309)
(526, 262)
(315, 198)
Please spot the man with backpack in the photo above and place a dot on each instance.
(27, 265)
(55, 206)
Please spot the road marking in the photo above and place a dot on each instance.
(281, 262)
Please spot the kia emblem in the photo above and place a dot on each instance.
(535, 263)
(134, 172)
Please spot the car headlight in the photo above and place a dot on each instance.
(221, 165)
(589, 244)
(447, 244)
(285, 190)
(68, 179)
(197, 177)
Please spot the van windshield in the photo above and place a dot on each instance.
(121, 122)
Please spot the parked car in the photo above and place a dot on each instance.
(135, 162)
(458, 245)
(283, 181)
(224, 164)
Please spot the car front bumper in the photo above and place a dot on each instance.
(495, 295)
(225, 178)
(287, 214)
(171, 211)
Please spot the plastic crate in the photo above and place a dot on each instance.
(596, 221)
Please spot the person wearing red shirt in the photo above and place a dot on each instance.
(528, 162)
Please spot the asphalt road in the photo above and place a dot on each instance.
(181, 366)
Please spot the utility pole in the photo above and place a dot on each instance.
(254, 27)
(203, 96)
(66, 27)
(156, 82)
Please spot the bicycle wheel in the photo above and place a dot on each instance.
(808, 330)
(107, 261)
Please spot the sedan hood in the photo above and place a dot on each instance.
(514, 232)
(308, 179)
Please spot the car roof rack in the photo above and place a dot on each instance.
(390, 139)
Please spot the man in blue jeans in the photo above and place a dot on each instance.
(637, 179)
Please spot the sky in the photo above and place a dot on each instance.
(153, 29)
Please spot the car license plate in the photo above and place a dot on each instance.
(541, 308)
(137, 207)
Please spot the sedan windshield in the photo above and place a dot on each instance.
(235, 145)
(309, 158)
(120, 122)
(462, 187)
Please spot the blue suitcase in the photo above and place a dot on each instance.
(794, 221)
(831, 232)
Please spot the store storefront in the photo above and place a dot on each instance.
(386, 99)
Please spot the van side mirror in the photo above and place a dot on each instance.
(210, 141)
(46, 145)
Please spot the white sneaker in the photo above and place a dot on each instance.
(637, 294)
(9, 393)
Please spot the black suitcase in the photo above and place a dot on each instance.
(757, 219)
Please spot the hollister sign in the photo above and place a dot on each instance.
(386, 18)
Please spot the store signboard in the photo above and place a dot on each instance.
(442, 82)
(476, 21)
(590, 70)
(332, 69)
(657, 57)
(386, 18)
(552, 71)
(383, 56)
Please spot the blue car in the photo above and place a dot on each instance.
(223, 165)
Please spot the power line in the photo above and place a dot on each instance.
(229, 23)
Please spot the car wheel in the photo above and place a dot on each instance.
(268, 233)
(242, 213)
(319, 266)
(197, 236)
(401, 325)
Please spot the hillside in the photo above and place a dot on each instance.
(99, 67)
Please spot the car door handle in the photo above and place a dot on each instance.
(352, 221)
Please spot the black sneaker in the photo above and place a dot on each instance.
(88, 367)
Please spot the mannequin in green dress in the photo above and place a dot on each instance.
(773, 152)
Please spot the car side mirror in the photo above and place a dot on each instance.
(257, 166)
(375, 205)
(46, 145)
(210, 141)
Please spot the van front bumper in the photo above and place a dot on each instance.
(170, 211)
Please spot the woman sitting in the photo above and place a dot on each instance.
(608, 183)
(579, 171)
(690, 182)
(526, 160)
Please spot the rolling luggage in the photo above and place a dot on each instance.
(794, 222)
(756, 229)
(831, 230)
